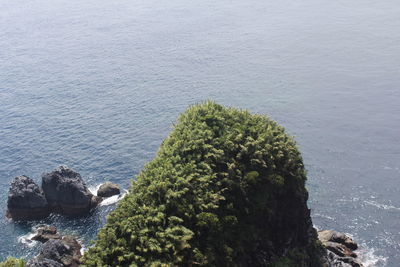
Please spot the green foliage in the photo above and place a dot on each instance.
(284, 262)
(12, 262)
(225, 189)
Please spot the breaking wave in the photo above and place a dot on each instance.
(110, 200)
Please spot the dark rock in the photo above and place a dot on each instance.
(63, 192)
(333, 236)
(108, 189)
(26, 200)
(96, 200)
(65, 251)
(66, 192)
(340, 249)
(46, 233)
(43, 263)
(352, 261)
(336, 261)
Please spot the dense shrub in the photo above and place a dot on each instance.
(12, 262)
(225, 189)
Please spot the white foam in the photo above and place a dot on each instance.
(83, 248)
(366, 255)
(27, 239)
(93, 189)
(110, 200)
(369, 258)
(323, 216)
(381, 206)
(113, 199)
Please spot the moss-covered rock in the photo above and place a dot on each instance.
(225, 189)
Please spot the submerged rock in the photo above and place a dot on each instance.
(26, 200)
(340, 249)
(108, 189)
(67, 193)
(46, 233)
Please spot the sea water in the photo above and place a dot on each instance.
(97, 85)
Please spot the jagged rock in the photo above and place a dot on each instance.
(43, 263)
(65, 251)
(108, 189)
(333, 236)
(336, 261)
(339, 249)
(66, 192)
(352, 261)
(63, 191)
(26, 200)
(46, 233)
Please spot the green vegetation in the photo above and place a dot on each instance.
(225, 189)
(12, 262)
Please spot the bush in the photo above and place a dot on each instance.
(12, 262)
(225, 189)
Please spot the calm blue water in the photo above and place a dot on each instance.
(97, 85)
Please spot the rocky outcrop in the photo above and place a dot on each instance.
(333, 236)
(63, 191)
(108, 189)
(58, 252)
(43, 263)
(340, 249)
(46, 233)
(26, 200)
(67, 193)
(225, 203)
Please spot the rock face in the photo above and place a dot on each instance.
(108, 189)
(46, 233)
(59, 252)
(66, 192)
(43, 263)
(26, 200)
(340, 249)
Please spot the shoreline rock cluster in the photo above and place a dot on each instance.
(65, 251)
(57, 250)
(63, 191)
(340, 249)
(46, 233)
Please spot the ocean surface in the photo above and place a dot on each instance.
(97, 85)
